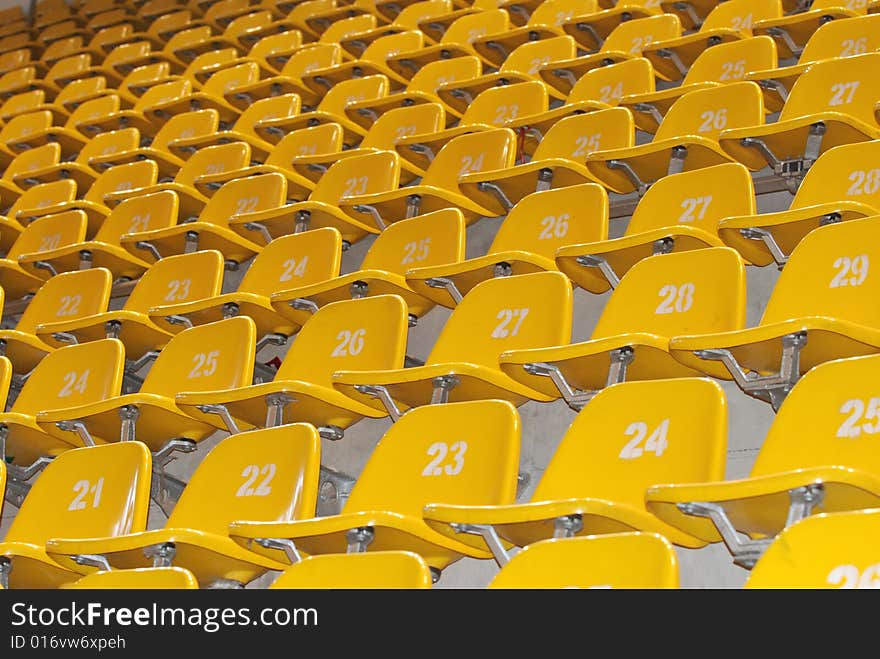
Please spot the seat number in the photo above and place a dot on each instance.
(864, 182)
(677, 299)
(505, 113)
(842, 93)
(586, 144)
(178, 289)
(656, 442)
(355, 186)
(416, 251)
(537, 63)
(204, 364)
(742, 22)
(350, 343)
(851, 271)
(404, 131)
(862, 418)
(83, 489)
(74, 381)
(246, 205)
(292, 268)
(440, 451)
(49, 242)
(849, 576)
(733, 70)
(215, 168)
(850, 47)
(251, 473)
(694, 208)
(69, 305)
(471, 164)
(713, 120)
(504, 329)
(640, 43)
(554, 226)
(139, 223)
(611, 93)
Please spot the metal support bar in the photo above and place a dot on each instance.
(272, 338)
(595, 261)
(275, 405)
(758, 233)
(497, 192)
(490, 537)
(381, 392)
(574, 398)
(65, 337)
(413, 205)
(568, 526)
(260, 228)
(359, 289)
(649, 109)
(745, 552)
(692, 14)
(85, 259)
(443, 384)
(45, 265)
(372, 212)
(303, 304)
(303, 220)
(663, 246)
(332, 433)
(191, 242)
(128, 429)
(92, 560)
(359, 539)
(162, 555)
(545, 180)
(803, 500)
(448, 284)
(620, 359)
(79, 428)
(673, 57)
(676, 160)
(112, 328)
(284, 544)
(165, 489)
(223, 413)
(145, 359)
(783, 35)
(640, 186)
(165, 454)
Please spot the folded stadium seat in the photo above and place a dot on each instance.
(428, 240)
(371, 62)
(42, 234)
(702, 290)
(221, 14)
(202, 67)
(16, 59)
(13, 21)
(22, 80)
(333, 25)
(142, 78)
(179, 50)
(525, 242)
(504, 313)
(843, 37)
(297, 13)
(73, 375)
(408, 19)
(172, 280)
(62, 48)
(818, 311)
(614, 560)
(377, 172)
(147, 578)
(94, 491)
(686, 140)
(78, 169)
(141, 213)
(393, 126)
(556, 162)
(832, 103)
(19, 128)
(326, 138)
(213, 356)
(32, 101)
(272, 51)
(364, 333)
(791, 33)
(597, 89)
(396, 11)
(148, 114)
(117, 179)
(119, 63)
(151, 12)
(242, 130)
(831, 550)
(155, 148)
(545, 22)
(71, 136)
(457, 41)
(100, 45)
(435, 27)
(475, 152)
(13, 182)
(211, 230)
(844, 184)
(422, 88)
(595, 481)
(721, 64)
(300, 258)
(235, 34)
(414, 463)
(331, 109)
(520, 66)
(42, 195)
(819, 455)
(678, 213)
(374, 570)
(592, 28)
(289, 79)
(269, 475)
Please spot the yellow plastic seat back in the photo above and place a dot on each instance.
(121, 178)
(741, 15)
(635, 434)
(294, 260)
(833, 264)
(5, 380)
(246, 195)
(75, 91)
(404, 122)
(214, 160)
(325, 138)
(833, 550)
(475, 26)
(731, 61)
(362, 334)
(89, 492)
(142, 213)
(577, 136)
(459, 453)
(843, 37)
(430, 239)
(845, 173)
(695, 292)
(706, 112)
(21, 126)
(544, 221)
(273, 44)
(210, 357)
(444, 71)
(44, 195)
(556, 12)
(506, 313)
(68, 296)
(467, 154)
(66, 67)
(269, 475)
(317, 56)
(498, 105)
(373, 570)
(177, 279)
(608, 84)
(378, 171)
(73, 375)
(162, 94)
(617, 560)
(27, 161)
(145, 578)
(340, 29)
(97, 108)
(389, 46)
(185, 125)
(352, 91)
(846, 85)
(532, 55)
(105, 144)
(21, 103)
(267, 109)
(699, 198)
(50, 232)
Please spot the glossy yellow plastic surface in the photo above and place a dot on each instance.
(591, 28)
(87, 492)
(268, 475)
(147, 578)
(373, 570)
(793, 32)
(616, 560)
(630, 436)
(463, 453)
(12, 183)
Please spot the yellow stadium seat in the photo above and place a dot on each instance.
(373, 570)
(69, 376)
(212, 229)
(504, 313)
(365, 333)
(269, 475)
(15, 59)
(94, 491)
(208, 357)
(530, 234)
(174, 578)
(662, 296)
(298, 12)
(631, 436)
(592, 28)
(14, 136)
(31, 101)
(819, 455)
(74, 134)
(212, 93)
(843, 184)
(141, 213)
(35, 197)
(615, 560)
(428, 240)
(220, 14)
(728, 21)
(555, 163)
(270, 52)
(409, 18)
(438, 189)
(141, 78)
(691, 13)
(149, 113)
(415, 463)
(375, 172)
(678, 213)
(686, 140)
(830, 104)
(791, 33)
(238, 33)
(14, 181)
(831, 550)
(817, 312)
(335, 24)
(181, 47)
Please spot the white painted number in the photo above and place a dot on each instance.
(139, 223)
(470, 164)
(850, 47)
(69, 305)
(861, 418)
(842, 93)
(292, 268)
(356, 185)
(505, 113)
(554, 226)
(350, 343)
(49, 242)
(246, 205)
(205, 364)
(586, 144)
(404, 131)
(716, 120)
(250, 474)
(850, 271)
(694, 208)
(611, 93)
(656, 443)
(742, 22)
(506, 316)
(74, 381)
(733, 70)
(677, 299)
(83, 489)
(439, 451)
(848, 576)
(416, 251)
(864, 182)
(178, 289)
